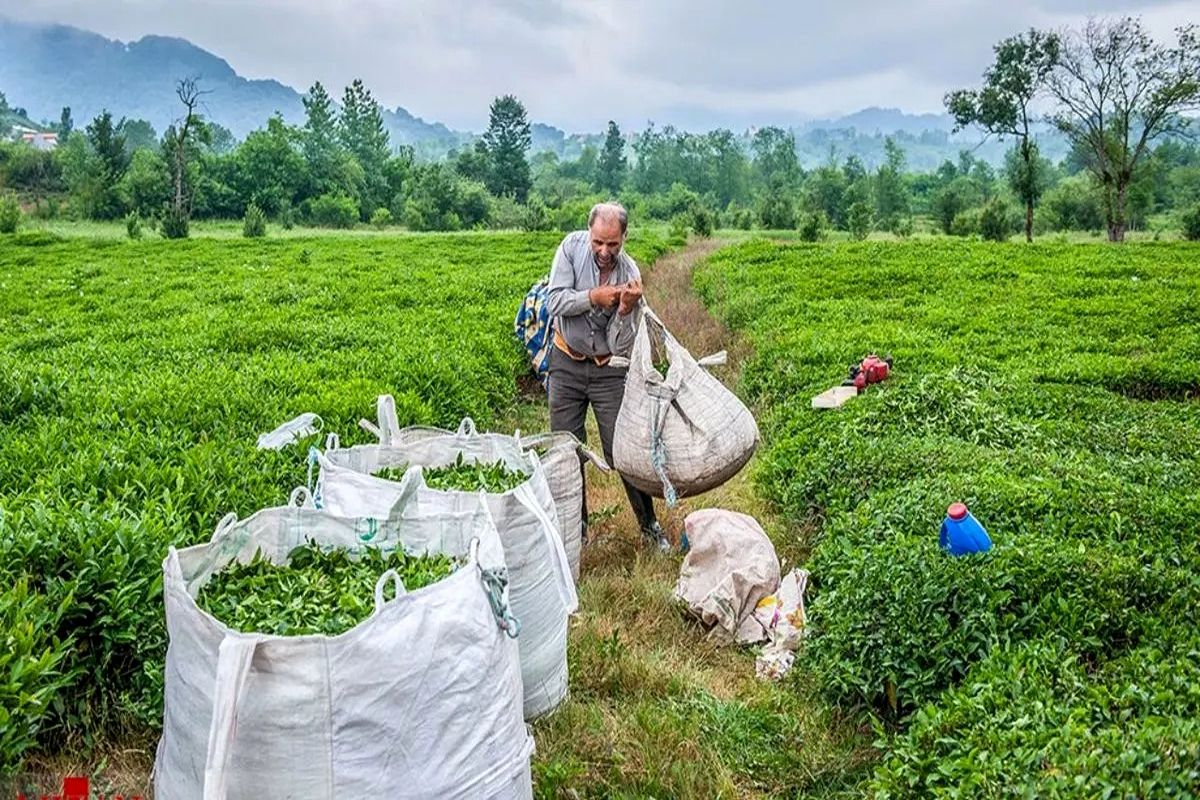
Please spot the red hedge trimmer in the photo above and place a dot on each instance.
(871, 369)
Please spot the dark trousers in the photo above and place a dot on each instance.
(573, 386)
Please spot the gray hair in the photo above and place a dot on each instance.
(609, 211)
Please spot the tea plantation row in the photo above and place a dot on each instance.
(1053, 388)
(134, 380)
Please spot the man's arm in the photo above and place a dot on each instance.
(564, 299)
(621, 330)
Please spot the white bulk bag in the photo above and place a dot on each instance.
(560, 462)
(565, 478)
(682, 434)
(541, 588)
(420, 700)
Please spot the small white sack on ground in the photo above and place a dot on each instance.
(541, 587)
(730, 568)
(682, 434)
(784, 617)
(420, 700)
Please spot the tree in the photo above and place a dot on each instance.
(179, 144)
(951, 200)
(1119, 91)
(107, 146)
(139, 135)
(1028, 176)
(364, 136)
(1002, 107)
(323, 153)
(610, 169)
(891, 195)
(775, 206)
(727, 172)
(270, 168)
(506, 141)
(474, 163)
(147, 183)
(775, 157)
(219, 140)
(65, 124)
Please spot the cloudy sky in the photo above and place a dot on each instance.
(698, 63)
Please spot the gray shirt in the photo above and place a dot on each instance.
(587, 329)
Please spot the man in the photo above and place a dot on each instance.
(595, 298)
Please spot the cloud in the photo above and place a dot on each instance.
(706, 62)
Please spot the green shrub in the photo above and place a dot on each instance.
(965, 223)
(702, 221)
(903, 227)
(740, 217)
(535, 217)
(334, 210)
(254, 224)
(381, 218)
(174, 224)
(858, 220)
(996, 221)
(777, 210)
(507, 214)
(1190, 220)
(1052, 666)
(678, 232)
(10, 213)
(898, 621)
(812, 226)
(133, 225)
(287, 216)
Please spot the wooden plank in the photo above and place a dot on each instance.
(835, 397)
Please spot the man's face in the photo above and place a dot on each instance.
(606, 242)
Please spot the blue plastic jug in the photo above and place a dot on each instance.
(962, 534)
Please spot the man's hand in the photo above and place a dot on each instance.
(605, 296)
(630, 296)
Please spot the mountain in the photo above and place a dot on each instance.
(46, 67)
(887, 120)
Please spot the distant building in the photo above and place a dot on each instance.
(40, 140)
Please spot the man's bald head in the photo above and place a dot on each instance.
(609, 213)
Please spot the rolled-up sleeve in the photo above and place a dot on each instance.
(621, 331)
(564, 299)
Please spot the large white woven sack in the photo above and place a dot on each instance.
(684, 433)
(558, 451)
(541, 588)
(420, 700)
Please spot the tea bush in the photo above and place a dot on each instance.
(135, 378)
(1053, 388)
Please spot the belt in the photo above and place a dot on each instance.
(562, 345)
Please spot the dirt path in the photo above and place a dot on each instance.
(634, 655)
